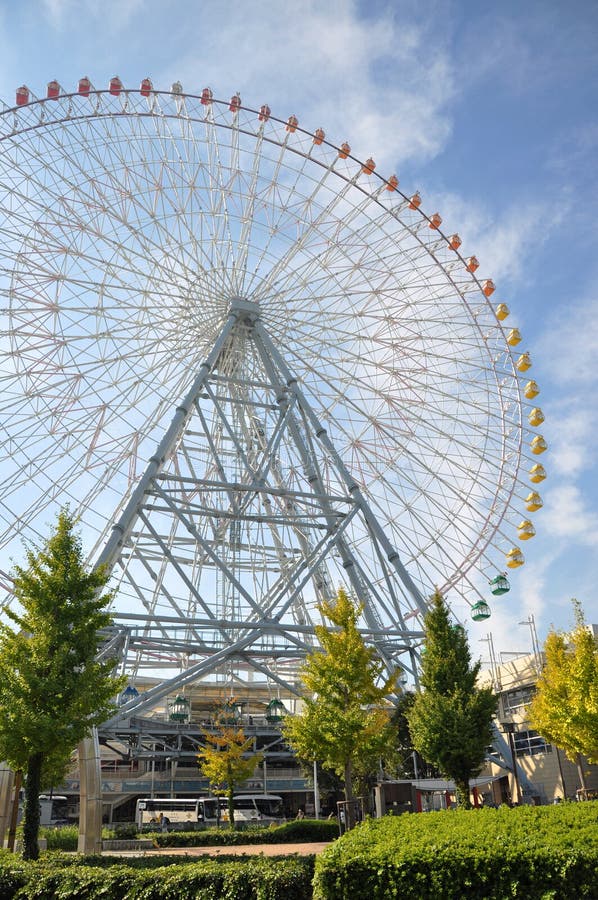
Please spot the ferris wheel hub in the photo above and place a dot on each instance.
(244, 307)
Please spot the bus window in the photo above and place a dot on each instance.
(208, 810)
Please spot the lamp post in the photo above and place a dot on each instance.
(509, 728)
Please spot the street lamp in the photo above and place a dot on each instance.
(509, 728)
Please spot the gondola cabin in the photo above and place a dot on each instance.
(533, 502)
(115, 86)
(344, 151)
(22, 97)
(514, 337)
(435, 221)
(145, 88)
(536, 417)
(502, 311)
(531, 390)
(454, 242)
(480, 611)
(368, 166)
(515, 558)
(488, 287)
(206, 96)
(415, 201)
(84, 86)
(525, 530)
(471, 264)
(499, 585)
(53, 90)
(392, 183)
(538, 445)
(537, 473)
(319, 135)
(524, 362)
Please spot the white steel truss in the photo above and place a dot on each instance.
(244, 519)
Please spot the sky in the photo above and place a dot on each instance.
(489, 110)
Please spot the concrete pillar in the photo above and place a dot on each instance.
(7, 781)
(90, 797)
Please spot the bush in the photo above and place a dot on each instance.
(109, 879)
(533, 852)
(311, 830)
(64, 838)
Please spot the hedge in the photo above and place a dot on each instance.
(534, 852)
(297, 831)
(245, 878)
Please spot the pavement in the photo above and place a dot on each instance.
(237, 850)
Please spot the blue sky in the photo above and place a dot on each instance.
(489, 110)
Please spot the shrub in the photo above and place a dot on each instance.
(64, 838)
(57, 878)
(291, 832)
(533, 852)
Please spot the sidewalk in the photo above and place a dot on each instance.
(238, 850)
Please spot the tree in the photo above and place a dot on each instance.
(345, 724)
(409, 763)
(451, 718)
(53, 689)
(224, 759)
(564, 709)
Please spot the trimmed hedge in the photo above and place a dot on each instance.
(245, 878)
(297, 831)
(492, 854)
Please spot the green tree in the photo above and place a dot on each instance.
(451, 718)
(564, 709)
(345, 723)
(227, 759)
(53, 689)
(408, 762)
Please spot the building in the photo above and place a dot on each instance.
(544, 774)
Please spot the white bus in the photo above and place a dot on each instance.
(53, 810)
(189, 813)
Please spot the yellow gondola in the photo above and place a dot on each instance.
(514, 337)
(526, 530)
(515, 558)
(537, 473)
(536, 416)
(538, 445)
(524, 362)
(533, 502)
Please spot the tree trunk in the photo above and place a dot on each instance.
(231, 807)
(350, 808)
(462, 793)
(14, 813)
(32, 816)
(582, 777)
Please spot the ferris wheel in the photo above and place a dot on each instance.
(256, 369)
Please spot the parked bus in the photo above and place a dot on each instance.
(53, 810)
(190, 813)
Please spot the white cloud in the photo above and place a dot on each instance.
(502, 240)
(334, 69)
(117, 13)
(567, 515)
(570, 342)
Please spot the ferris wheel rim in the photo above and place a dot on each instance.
(369, 195)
